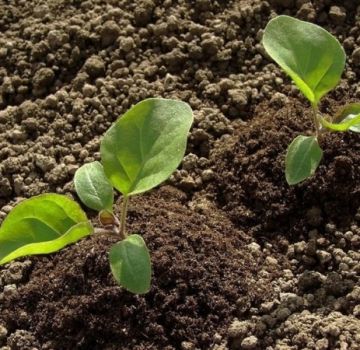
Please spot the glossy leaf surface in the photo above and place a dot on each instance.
(145, 146)
(130, 264)
(42, 225)
(93, 187)
(302, 159)
(310, 55)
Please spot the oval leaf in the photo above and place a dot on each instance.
(302, 159)
(145, 146)
(310, 55)
(41, 225)
(130, 264)
(71, 236)
(93, 187)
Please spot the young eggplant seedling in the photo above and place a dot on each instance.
(315, 60)
(140, 151)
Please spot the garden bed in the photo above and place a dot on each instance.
(240, 259)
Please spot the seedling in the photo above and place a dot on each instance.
(315, 60)
(140, 151)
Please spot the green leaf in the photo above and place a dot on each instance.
(130, 264)
(145, 146)
(349, 118)
(302, 159)
(310, 55)
(42, 225)
(93, 187)
(75, 233)
(352, 122)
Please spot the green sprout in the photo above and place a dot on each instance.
(315, 60)
(140, 151)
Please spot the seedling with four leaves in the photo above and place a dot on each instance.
(140, 151)
(315, 60)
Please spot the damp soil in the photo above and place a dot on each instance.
(200, 268)
(240, 259)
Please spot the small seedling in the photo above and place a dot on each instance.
(140, 151)
(315, 60)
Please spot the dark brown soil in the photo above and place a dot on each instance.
(200, 270)
(250, 182)
(241, 260)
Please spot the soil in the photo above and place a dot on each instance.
(241, 260)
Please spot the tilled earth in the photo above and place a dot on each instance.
(241, 260)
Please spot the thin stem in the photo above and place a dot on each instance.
(124, 209)
(315, 119)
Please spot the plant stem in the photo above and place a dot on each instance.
(315, 119)
(124, 209)
(103, 231)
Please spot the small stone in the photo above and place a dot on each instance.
(186, 345)
(51, 101)
(267, 306)
(270, 263)
(322, 344)
(207, 175)
(337, 14)
(254, 248)
(279, 100)
(127, 44)
(307, 12)
(291, 301)
(323, 256)
(43, 78)
(299, 247)
(189, 162)
(109, 33)
(16, 272)
(249, 343)
(356, 56)
(356, 311)
(44, 163)
(239, 98)
(95, 66)
(282, 313)
(210, 46)
(187, 183)
(239, 329)
(88, 90)
(355, 294)
(334, 284)
(3, 52)
(344, 267)
(310, 280)
(57, 38)
(217, 338)
(3, 332)
(22, 339)
(332, 330)
(10, 290)
(355, 241)
(18, 135)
